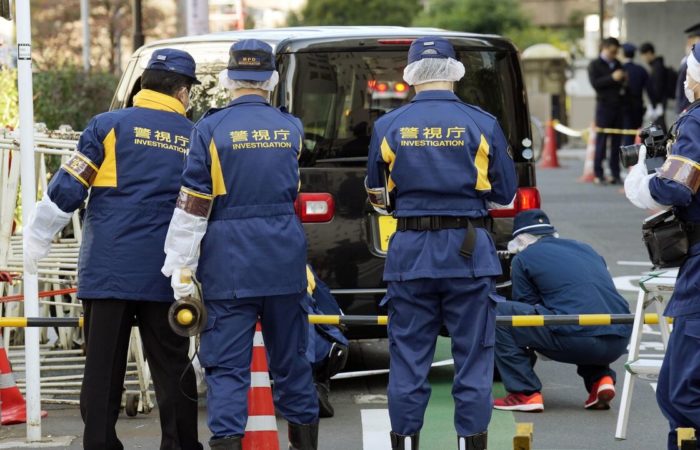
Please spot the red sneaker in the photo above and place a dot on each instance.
(602, 393)
(516, 401)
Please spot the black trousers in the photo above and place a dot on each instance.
(107, 329)
(607, 116)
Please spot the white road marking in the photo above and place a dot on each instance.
(653, 386)
(375, 429)
(634, 263)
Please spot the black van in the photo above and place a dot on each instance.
(339, 80)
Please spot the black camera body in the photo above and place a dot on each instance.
(654, 138)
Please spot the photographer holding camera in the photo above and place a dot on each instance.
(676, 185)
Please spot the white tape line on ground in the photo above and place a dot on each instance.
(375, 429)
(653, 386)
(261, 423)
(634, 263)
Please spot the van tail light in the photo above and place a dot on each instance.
(525, 198)
(315, 207)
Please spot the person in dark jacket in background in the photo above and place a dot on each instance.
(693, 37)
(656, 87)
(607, 78)
(633, 101)
(557, 276)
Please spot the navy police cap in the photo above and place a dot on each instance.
(173, 60)
(693, 30)
(251, 60)
(532, 221)
(430, 47)
(629, 48)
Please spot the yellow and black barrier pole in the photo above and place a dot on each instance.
(506, 321)
(503, 321)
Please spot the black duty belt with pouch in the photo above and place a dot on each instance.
(668, 239)
(434, 223)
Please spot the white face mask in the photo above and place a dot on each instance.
(689, 93)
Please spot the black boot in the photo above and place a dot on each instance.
(335, 362)
(473, 442)
(323, 389)
(226, 443)
(303, 437)
(401, 442)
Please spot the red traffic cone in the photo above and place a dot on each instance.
(549, 153)
(14, 408)
(261, 429)
(588, 174)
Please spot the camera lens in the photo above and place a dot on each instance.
(629, 154)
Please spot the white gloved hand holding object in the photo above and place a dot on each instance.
(182, 287)
(46, 220)
(637, 184)
(658, 111)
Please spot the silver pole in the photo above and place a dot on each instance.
(85, 16)
(28, 183)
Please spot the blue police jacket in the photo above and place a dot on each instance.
(244, 158)
(320, 301)
(637, 78)
(444, 158)
(129, 161)
(562, 276)
(677, 184)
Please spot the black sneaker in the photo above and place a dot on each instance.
(617, 180)
(600, 181)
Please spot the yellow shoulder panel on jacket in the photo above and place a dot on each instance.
(218, 187)
(482, 166)
(310, 281)
(107, 175)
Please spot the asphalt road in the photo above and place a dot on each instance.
(598, 215)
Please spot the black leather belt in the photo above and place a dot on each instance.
(434, 223)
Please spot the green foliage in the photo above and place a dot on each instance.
(473, 16)
(70, 96)
(525, 37)
(356, 12)
(9, 111)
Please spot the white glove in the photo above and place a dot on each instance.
(648, 115)
(182, 242)
(46, 220)
(658, 111)
(180, 289)
(637, 184)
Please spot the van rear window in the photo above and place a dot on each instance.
(339, 95)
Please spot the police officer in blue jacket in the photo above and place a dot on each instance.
(557, 276)
(129, 163)
(633, 100)
(676, 185)
(328, 347)
(239, 185)
(438, 162)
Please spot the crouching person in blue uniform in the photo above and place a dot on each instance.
(328, 347)
(676, 185)
(557, 276)
(129, 163)
(438, 162)
(239, 185)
